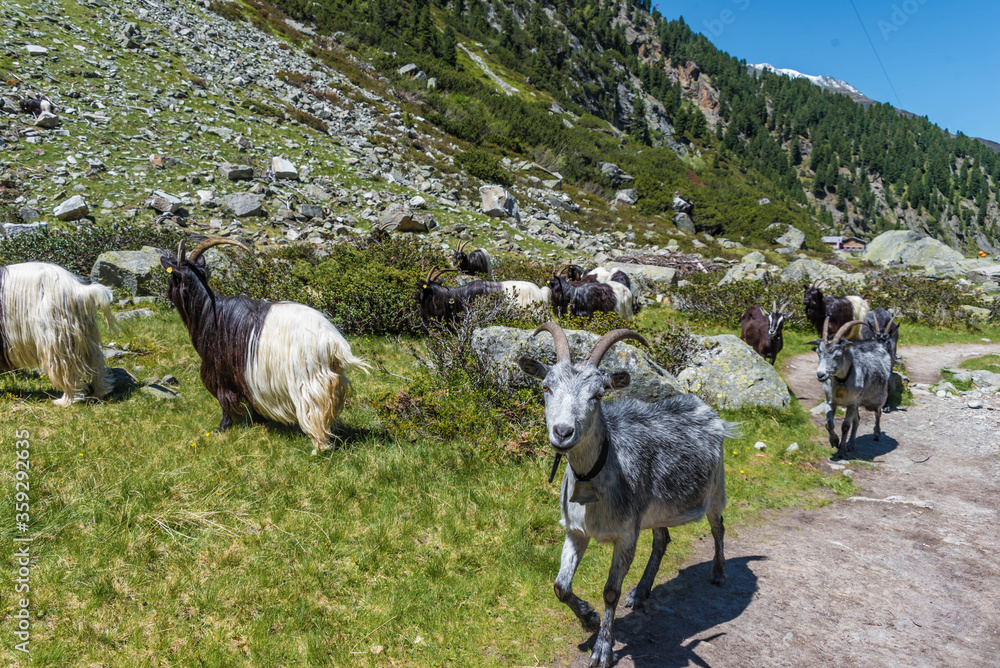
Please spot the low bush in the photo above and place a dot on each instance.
(932, 302)
(78, 250)
(484, 166)
(363, 287)
(707, 302)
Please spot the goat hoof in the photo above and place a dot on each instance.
(635, 601)
(602, 655)
(718, 579)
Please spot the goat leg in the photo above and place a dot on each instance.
(604, 648)
(852, 418)
(718, 576)
(637, 597)
(831, 428)
(878, 426)
(573, 548)
(225, 423)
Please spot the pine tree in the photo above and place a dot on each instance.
(638, 127)
(449, 46)
(796, 152)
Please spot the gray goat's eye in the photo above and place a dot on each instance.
(546, 389)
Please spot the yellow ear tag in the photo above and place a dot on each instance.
(170, 269)
(425, 286)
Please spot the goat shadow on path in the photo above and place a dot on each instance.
(866, 448)
(653, 638)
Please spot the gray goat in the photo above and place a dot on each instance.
(854, 374)
(632, 466)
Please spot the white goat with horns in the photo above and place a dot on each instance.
(48, 319)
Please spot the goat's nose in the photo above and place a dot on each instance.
(563, 431)
(821, 377)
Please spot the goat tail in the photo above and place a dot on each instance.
(297, 370)
(732, 429)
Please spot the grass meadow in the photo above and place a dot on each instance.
(158, 542)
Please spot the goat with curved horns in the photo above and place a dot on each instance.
(632, 466)
(854, 374)
(476, 262)
(277, 360)
(49, 319)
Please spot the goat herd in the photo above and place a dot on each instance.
(632, 465)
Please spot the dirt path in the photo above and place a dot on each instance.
(904, 574)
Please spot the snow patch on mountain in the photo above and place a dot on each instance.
(823, 82)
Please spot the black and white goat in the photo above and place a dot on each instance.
(36, 106)
(278, 360)
(632, 466)
(442, 303)
(585, 298)
(476, 262)
(762, 331)
(48, 319)
(838, 310)
(854, 374)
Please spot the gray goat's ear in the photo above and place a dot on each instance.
(814, 344)
(617, 380)
(533, 368)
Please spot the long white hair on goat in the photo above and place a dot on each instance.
(860, 311)
(297, 369)
(602, 274)
(624, 297)
(526, 293)
(49, 320)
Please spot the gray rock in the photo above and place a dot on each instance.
(163, 202)
(161, 392)
(728, 373)
(807, 270)
(11, 230)
(746, 271)
(791, 238)
(753, 257)
(28, 213)
(908, 247)
(74, 208)
(47, 120)
(499, 348)
(614, 173)
(792, 448)
(682, 205)
(626, 197)
(132, 270)
(120, 381)
(316, 192)
(685, 223)
(498, 202)
(283, 168)
(236, 172)
(35, 50)
(665, 276)
(244, 204)
(977, 314)
(311, 210)
(134, 313)
(409, 68)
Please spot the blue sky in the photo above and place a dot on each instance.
(942, 59)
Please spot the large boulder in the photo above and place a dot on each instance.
(747, 271)
(808, 270)
(403, 220)
(666, 276)
(74, 208)
(132, 270)
(626, 197)
(728, 373)
(499, 348)
(244, 204)
(908, 247)
(685, 223)
(790, 237)
(163, 202)
(498, 202)
(283, 168)
(236, 172)
(11, 230)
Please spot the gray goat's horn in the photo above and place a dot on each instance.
(844, 328)
(611, 338)
(215, 241)
(826, 329)
(877, 330)
(560, 340)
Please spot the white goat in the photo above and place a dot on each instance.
(49, 319)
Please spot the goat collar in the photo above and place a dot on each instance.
(598, 466)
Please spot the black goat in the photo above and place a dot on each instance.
(381, 231)
(574, 272)
(838, 309)
(476, 262)
(762, 331)
(584, 299)
(882, 327)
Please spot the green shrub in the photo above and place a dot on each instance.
(674, 347)
(362, 286)
(78, 250)
(484, 166)
(706, 301)
(920, 299)
(230, 11)
(599, 323)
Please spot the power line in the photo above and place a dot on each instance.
(875, 51)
